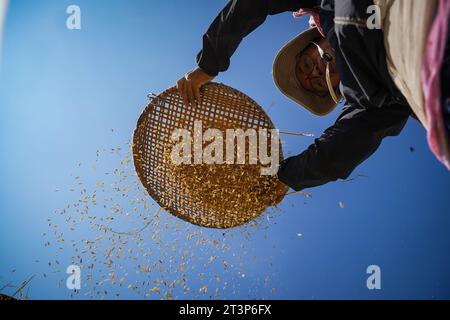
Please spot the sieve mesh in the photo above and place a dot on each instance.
(239, 193)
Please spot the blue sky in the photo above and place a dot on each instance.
(66, 94)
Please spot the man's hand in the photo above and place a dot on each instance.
(281, 189)
(189, 85)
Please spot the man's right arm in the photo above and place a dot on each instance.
(238, 19)
(354, 137)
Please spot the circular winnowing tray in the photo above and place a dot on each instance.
(215, 196)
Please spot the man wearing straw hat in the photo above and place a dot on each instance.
(340, 57)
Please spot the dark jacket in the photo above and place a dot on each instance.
(374, 107)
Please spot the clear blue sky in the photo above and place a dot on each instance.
(62, 92)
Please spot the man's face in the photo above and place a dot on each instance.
(310, 69)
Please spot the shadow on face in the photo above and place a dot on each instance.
(310, 68)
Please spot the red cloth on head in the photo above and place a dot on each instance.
(431, 83)
(314, 21)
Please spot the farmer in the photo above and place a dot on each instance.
(340, 58)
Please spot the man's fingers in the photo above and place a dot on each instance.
(190, 93)
(181, 86)
(197, 95)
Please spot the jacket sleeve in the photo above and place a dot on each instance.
(364, 65)
(238, 19)
(354, 137)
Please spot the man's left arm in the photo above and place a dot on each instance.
(238, 19)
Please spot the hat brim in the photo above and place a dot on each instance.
(286, 80)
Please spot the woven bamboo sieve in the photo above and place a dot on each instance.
(214, 196)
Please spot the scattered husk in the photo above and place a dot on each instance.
(127, 247)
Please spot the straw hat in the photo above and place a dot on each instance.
(287, 82)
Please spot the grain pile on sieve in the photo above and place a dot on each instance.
(221, 195)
